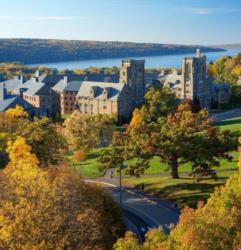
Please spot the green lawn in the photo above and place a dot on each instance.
(183, 191)
(90, 166)
(233, 124)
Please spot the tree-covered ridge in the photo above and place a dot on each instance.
(50, 50)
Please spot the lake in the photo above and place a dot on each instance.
(165, 61)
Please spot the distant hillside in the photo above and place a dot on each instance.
(42, 51)
(228, 46)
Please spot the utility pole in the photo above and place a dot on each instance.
(219, 101)
(120, 185)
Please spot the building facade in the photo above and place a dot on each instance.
(117, 99)
(193, 83)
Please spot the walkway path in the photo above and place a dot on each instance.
(226, 115)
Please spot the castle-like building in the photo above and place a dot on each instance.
(117, 94)
(114, 98)
(192, 83)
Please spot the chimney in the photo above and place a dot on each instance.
(21, 80)
(3, 92)
(198, 53)
(66, 80)
(37, 74)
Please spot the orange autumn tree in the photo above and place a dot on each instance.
(52, 209)
(136, 118)
(215, 225)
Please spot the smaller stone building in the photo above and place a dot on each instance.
(105, 98)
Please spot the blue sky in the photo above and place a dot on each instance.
(163, 21)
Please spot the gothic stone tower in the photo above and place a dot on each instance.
(132, 73)
(195, 85)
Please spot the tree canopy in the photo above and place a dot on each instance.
(52, 209)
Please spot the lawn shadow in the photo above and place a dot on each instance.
(227, 122)
(92, 156)
(184, 193)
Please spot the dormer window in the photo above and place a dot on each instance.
(92, 93)
(105, 94)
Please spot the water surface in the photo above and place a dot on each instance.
(166, 61)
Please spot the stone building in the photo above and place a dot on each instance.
(8, 101)
(117, 99)
(193, 83)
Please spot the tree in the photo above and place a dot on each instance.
(136, 118)
(17, 112)
(158, 102)
(52, 209)
(46, 140)
(215, 225)
(88, 131)
(183, 136)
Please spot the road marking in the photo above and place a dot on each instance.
(130, 222)
(134, 193)
(101, 182)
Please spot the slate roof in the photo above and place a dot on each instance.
(12, 101)
(38, 89)
(101, 77)
(11, 84)
(70, 86)
(113, 90)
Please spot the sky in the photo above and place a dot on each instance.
(203, 22)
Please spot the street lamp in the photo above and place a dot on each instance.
(122, 166)
(120, 185)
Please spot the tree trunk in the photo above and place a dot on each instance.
(174, 167)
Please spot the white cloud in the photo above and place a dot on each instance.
(207, 11)
(44, 18)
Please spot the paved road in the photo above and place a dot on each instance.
(226, 115)
(142, 212)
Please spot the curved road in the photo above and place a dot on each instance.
(140, 211)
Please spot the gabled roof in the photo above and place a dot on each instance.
(70, 86)
(38, 89)
(11, 84)
(113, 90)
(12, 101)
(100, 77)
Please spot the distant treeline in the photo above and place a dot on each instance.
(30, 51)
(10, 70)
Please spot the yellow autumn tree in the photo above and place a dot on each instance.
(52, 209)
(17, 112)
(136, 118)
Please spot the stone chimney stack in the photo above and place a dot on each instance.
(3, 92)
(37, 73)
(21, 79)
(65, 80)
(198, 53)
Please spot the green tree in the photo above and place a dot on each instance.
(88, 131)
(181, 137)
(158, 102)
(46, 140)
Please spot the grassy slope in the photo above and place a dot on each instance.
(90, 166)
(185, 191)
